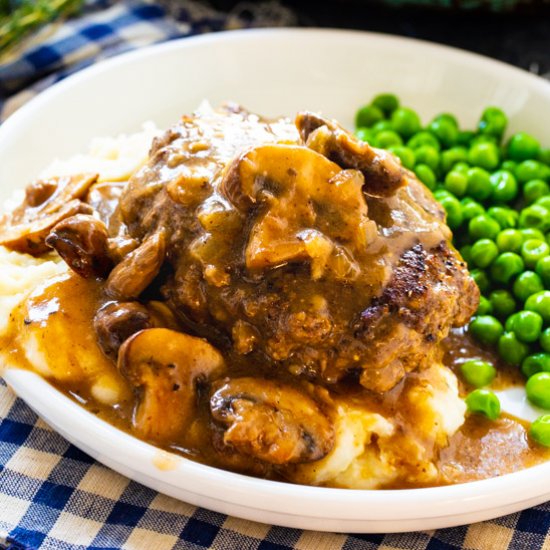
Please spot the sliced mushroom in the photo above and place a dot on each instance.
(38, 192)
(161, 315)
(165, 366)
(138, 269)
(46, 203)
(271, 421)
(81, 241)
(30, 237)
(308, 203)
(383, 173)
(115, 322)
(67, 188)
(104, 198)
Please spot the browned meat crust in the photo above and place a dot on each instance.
(413, 312)
(309, 296)
(296, 249)
(283, 266)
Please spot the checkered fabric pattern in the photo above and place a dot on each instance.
(106, 28)
(53, 496)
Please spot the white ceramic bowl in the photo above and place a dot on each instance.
(272, 72)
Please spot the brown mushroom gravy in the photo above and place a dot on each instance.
(254, 294)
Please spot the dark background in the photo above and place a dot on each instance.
(520, 37)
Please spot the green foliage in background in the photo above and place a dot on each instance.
(20, 18)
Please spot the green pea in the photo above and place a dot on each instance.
(405, 155)
(511, 349)
(503, 303)
(540, 430)
(486, 329)
(423, 138)
(544, 155)
(531, 233)
(506, 266)
(483, 252)
(538, 389)
(484, 155)
(478, 373)
(387, 103)
(493, 122)
(368, 116)
(526, 284)
(509, 240)
(545, 340)
(509, 165)
(544, 201)
(505, 186)
(485, 307)
(535, 216)
(445, 130)
(465, 252)
(452, 156)
(405, 121)
(448, 117)
(531, 170)
(540, 303)
(456, 183)
(426, 175)
(471, 208)
(506, 217)
(483, 227)
(465, 137)
(427, 154)
(533, 250)
(382, 126)
(535, 189)
(483, 402)
(441, 192)
(387, 138)
(365, 134)
(483, 138)
(526, 325)
(453, 209)
(462, 167)
(522, 146)
(542, 269)
(481, 279)
(538, 362)
(479, 183)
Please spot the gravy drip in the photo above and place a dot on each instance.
(57, 316)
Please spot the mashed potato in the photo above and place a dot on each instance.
(21, 274)
(372, 452)
(371, 449)
(114, 159)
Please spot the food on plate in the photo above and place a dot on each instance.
(497, 202)
(272, 297)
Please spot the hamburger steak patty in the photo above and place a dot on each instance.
(298, 247)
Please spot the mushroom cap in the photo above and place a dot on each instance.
(46, 203)
(164, 366)
(138, 269)
(271, 421)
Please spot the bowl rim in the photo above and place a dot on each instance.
(491, 65)
(381, 504)
(68, 416)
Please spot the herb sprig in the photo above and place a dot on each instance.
(20, 18)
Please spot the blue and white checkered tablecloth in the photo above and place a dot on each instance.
(53, 496)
